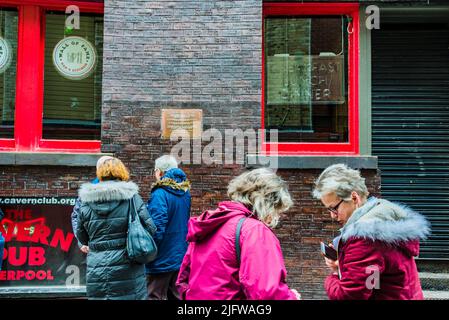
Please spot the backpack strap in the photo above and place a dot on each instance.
(237, 238)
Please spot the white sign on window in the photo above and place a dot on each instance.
(74, 58)
(5, 55)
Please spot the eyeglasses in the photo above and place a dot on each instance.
(335, 209)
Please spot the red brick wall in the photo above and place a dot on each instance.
(54, 181)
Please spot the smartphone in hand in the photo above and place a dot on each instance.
(328, 252)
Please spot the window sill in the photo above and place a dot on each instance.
(50, 159)
(310, 162)
(43, 292)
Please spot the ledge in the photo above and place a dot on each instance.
(43, 292)
(310, 162)
(50, 159)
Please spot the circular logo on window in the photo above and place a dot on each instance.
(74, 58)
(5, 55)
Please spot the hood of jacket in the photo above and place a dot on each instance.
(174, 181)
(209, 221)
(392, 223)
(105, 196)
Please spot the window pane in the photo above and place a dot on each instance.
(306, 96)
(72, 107)
(8, 61)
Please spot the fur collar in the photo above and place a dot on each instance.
(386, 221)
(168, 182)
(107, 191)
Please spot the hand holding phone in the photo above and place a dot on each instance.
(328, 252)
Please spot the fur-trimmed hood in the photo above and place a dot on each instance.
(172, 184)
(382, 220)
(174, 181)
(107, 191)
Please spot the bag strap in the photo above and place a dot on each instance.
(237, 238)
(132, 209)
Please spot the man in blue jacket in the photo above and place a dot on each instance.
(169, 207)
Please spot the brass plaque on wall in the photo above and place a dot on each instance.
(190, 120)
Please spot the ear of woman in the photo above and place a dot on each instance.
(356, 199)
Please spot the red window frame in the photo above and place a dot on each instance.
(30, 79)
(326, 148)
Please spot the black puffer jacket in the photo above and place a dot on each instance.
(102, 224)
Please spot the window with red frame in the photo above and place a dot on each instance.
(310, 78)
(41, 108)
(8, 61)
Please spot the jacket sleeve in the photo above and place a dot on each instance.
(158, 209)
(80, 232)
(144, 216)
(182, 283)
(261, 280)
(74, 217)
(363, 262)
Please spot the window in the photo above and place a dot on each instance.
(310, 78)
(8, 60)
(50, 94)
(72, 108)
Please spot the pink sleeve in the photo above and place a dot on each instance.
(182, 283)
(262, 270)
(362, 261)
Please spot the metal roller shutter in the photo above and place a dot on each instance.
(410, 122)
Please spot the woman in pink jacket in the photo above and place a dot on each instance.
(378, 241)
(211, 268)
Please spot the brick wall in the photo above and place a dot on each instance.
(206, 55)
(42, 181)
(186, 54)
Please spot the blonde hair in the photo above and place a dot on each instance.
(341, 180)
(263, 192)
(111, 169)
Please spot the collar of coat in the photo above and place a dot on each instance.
(107, 191)
(380, 219)
(168, 182)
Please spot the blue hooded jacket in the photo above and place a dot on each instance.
(169, 207)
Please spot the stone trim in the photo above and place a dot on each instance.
(310, 162)
(51, 159)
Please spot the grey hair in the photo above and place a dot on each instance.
(263, 192)
(165, 163)
(342, 180)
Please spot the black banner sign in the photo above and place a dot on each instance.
(40, 247)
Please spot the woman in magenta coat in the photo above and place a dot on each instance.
(211, 270)
(378, 241)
